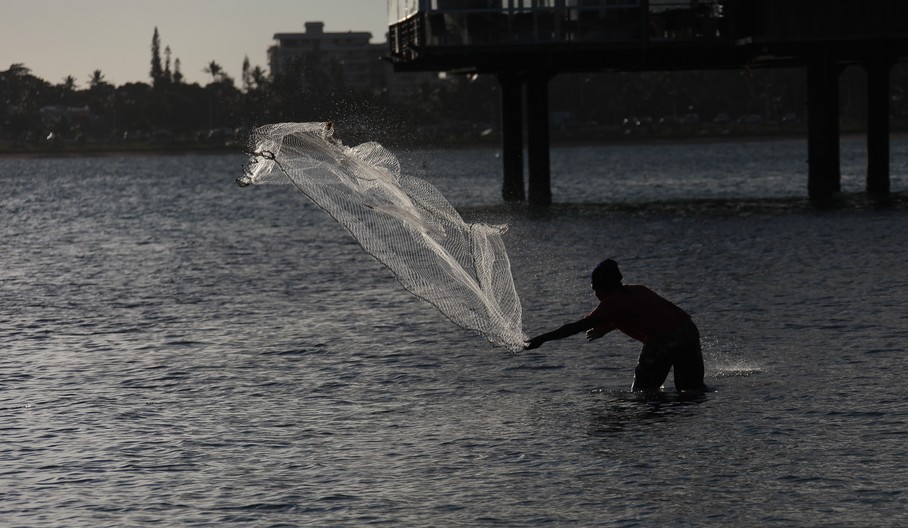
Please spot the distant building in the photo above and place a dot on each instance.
(350, 54)
(346, 57)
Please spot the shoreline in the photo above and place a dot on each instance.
(105, 151)
(10, 151)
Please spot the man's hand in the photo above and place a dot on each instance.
(594, 333)
(536, 342)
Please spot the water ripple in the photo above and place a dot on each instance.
(180, 353)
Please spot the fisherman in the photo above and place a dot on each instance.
(669, 336)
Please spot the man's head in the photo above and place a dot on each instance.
(606, 277)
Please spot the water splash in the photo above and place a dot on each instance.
(724, 360)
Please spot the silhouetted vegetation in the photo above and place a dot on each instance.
(169, 113)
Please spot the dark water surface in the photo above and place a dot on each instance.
(182, 352)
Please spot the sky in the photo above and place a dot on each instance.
(57, 38)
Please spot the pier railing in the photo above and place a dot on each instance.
(440, 23)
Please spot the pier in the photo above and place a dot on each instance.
(524, 43)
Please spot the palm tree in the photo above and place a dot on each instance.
(259, 77)
(96, 80)
(69, 84)
(67, 90)
(215, 70)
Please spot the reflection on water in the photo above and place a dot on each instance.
(628, 174)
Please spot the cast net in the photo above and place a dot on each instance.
(404, 222)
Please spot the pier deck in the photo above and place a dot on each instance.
(527, 42)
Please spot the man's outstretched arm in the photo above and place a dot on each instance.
(565, 331)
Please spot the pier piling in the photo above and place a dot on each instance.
(823, 173)
(878, 67)
(512, 189)
(540, 189)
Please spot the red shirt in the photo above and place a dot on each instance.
(638, 312)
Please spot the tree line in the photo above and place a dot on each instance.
(165, 109)
(169, 110)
